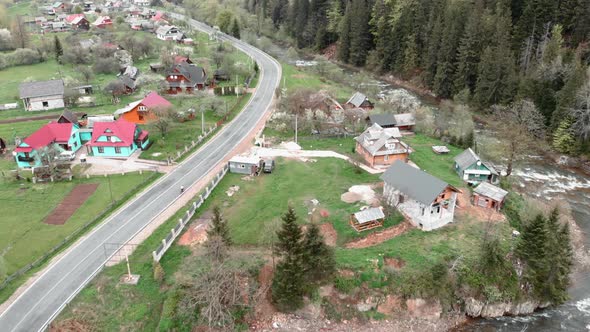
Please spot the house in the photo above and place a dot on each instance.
(141, 3)
(117, 139)
(367, 219)
(404, 122)
(426, 201)
(130, 71)
(103, 22)
(185, 77)
(381, 146)
(58, 26)
(86, 89)
(220, 75)
(64, 136)
(142, 111)
(78, 22)
(40, 20)
(359, 100)
(159, 17)
(169, 32)
(178, 59)
(473, 170)
(245, 165)
(58, 7)
(42, 95)
(488, 196)
(128, 84)
(68, 117)
(61, 17)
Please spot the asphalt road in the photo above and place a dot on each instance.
(36, 307)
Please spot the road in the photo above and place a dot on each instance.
(41, 302)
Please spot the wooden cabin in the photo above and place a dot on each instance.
(367, 219)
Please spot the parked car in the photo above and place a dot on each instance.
(66, 156)
(269, 165)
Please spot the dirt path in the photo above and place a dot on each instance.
(329, 233)
(34, 118)
(264, 310)
(379, 237)
(64, 210)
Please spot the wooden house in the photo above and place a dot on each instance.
(367, 219)
(473, 170)
(245, 165)
(78, 22)
(381, 147)
(103, 22)
(488, 196)
(42, 95)
(142, 111)
(185, 77)
(426, 201)
(404, 122)
(359, 100)
(58, 7)
(169, 32)
(64, 136)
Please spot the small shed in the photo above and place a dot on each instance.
(488, 196)
(245, 165)
(367, 219)
(440, 149)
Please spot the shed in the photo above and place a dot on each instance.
(488, 196)
(367, 219)
(245, 165)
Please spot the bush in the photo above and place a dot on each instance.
(76, 56)
(23, 56)
(346, 285)
(106, 66)
(158, 272)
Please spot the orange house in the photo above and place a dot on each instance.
(142, 111)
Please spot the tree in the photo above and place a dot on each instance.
(318, 263)
(85, 73)
(288, 280)
(360, 36)
(78, 10)
(219, 227)
(105, 66)
(235, 29)
(518, 126)
(560, 259)
(59, 51)
(20, 36)
(581, 113)
(345, 36)
(532, 249)
(564, 140)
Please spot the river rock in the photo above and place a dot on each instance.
(523, 308)
(473, 307)
(476, 308)
(424, 309)
(495, 309)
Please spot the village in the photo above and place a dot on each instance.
(124, 95)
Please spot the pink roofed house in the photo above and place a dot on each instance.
(117, 139)
(103, 22)
(142, 111)
(64, 136)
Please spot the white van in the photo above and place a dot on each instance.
(66, 156)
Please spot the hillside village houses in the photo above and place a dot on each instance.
(381, 146)
(473, 170)
(359, 100)
(143, 111)
(426, 201)
(42, 95)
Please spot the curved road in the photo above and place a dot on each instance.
(40, 303)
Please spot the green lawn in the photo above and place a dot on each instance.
(25, 237)
(294, 78)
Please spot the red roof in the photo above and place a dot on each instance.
(180, 59)
(122, 129)
(153, 99)
(50, 133)
(158, 17)
(142, 135)
(72, 17)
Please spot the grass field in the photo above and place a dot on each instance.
(25, 237)
(294, 78)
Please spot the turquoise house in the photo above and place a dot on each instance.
(117, 139)
(473, 170)
(64, 136)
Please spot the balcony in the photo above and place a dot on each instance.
(25, 159)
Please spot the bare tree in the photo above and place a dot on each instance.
(518, 126)
(581, 113)
(163, 119)
(85, 73)
(20, 36)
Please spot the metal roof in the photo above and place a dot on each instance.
(374, 138)
(382, 119)
(418, 185)
(466, 159)
(41, 88)
(491, 191)
(405, 119)
(369, 215)
(245, 160)
(357, 99)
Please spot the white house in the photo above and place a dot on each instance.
(426, 201)
(43, 95)
(169, 32)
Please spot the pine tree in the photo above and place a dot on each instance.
(559, 260)
(532, 251)
(288, 280)
(445, 71)
(235, 29)
(360, 36)
(219, 227)
(469, 52)
(318, 259)
(59, 51)
(344, 40)
(564, 140)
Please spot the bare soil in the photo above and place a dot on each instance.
(476, 212)
(264, 310)
(70, 204)
(394, 262)
(329, 233)
(71, 325)
(196, 232)
(379, 237)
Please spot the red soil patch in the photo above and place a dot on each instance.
(70, 325)
(196, 232)
(329, 233)
(264, 310)
(379, 237)
(394, 262)
(71, 203)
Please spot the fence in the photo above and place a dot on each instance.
(75, 234)
(177, 229)
(187, 148)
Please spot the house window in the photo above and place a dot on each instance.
(45, 104)
(100, 149)
(242, 166)
(423, 210)
(142, 108)
(386, 158)
(117, 149)
(140, 117)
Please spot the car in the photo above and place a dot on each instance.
(66, 156)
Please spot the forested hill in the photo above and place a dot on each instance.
(484, 51)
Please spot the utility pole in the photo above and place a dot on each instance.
(202, 119)
(129, 277)
(295, 127)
